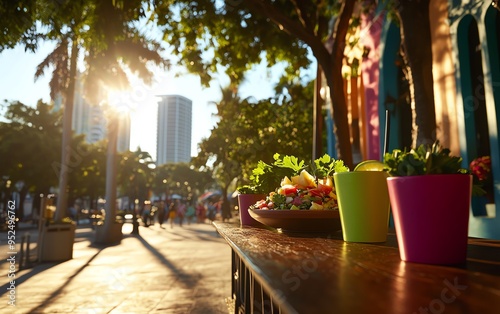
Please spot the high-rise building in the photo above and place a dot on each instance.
(90, 120)
(123, 140)
(173, 129)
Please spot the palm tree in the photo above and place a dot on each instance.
(67, 32)
(103, 31)
(136, 175)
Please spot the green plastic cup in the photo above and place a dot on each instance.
(364, 204)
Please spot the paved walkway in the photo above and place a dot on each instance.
(164, 270)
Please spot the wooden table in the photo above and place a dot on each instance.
(274, 272)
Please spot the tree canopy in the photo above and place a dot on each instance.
(181, 179)
(250, 130)
(18, 24)
(236, 35)
(209, 36)
(135, 174)
(108, 34)
(87, 180)
(28, 145)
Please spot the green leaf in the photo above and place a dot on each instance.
(290, 162)
(326, 166)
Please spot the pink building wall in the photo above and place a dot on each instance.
(372, 24)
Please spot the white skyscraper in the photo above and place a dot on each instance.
(123, 141)
(87, 119)
(174, 129)
(90, 120)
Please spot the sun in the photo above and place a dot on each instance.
(139, 102)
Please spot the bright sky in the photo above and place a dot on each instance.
(17, 70)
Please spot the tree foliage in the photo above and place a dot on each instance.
(181, 179)
(135, 175)
(18, 24)
(236, 35)
(87, 180)
(249, 131)
(207, 36)
(117, 43)
(107, 32)
(28, 146)
(211, 35)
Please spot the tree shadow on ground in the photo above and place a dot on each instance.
(45, 266)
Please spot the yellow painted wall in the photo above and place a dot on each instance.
(444, 77)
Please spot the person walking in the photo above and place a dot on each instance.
(161, 213)
(146, 213)
(181, 211)
(212, 211)
(200, 212)
(190, 213)
(172, 211)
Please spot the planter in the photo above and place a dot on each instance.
(111, 234)
(363, 205)
(431, 216)
(56, 243)
(244, 202)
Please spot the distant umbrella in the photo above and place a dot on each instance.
(210, 194)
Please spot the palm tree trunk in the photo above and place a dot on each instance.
(62, 199)
(110, 208)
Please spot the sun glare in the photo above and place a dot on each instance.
(140, 103)
(120, 101)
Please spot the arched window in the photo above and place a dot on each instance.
(492, 23)
(472, 86)
(394, 91)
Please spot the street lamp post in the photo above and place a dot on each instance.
(135, 222)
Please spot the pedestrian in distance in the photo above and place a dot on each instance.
(172, 212)
(212, 211)
(200, 212)
(146, 213)
(161, 213)
(181, 211)
(190, 213)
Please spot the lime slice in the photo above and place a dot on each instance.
(370, 165)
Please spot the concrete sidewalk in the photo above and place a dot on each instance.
(164, 270)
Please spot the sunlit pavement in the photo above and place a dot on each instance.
(164, 270)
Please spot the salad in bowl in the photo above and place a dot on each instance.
(306, 191)
(301, 192)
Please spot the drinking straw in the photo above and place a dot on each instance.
(387, 129)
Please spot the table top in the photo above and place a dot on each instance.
(306, 273)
